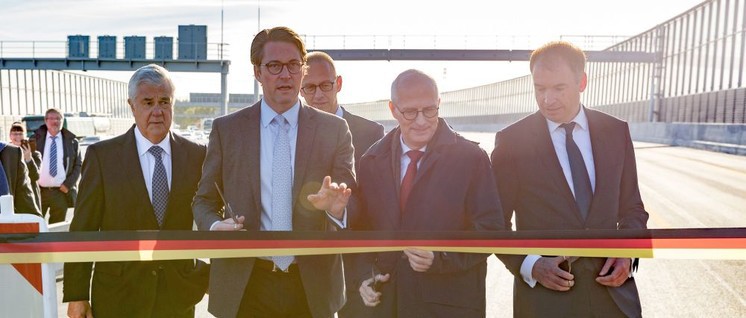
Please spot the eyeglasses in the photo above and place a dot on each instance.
(311, 89)
(275, 68)
(411, 114)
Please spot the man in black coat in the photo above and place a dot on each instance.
(60, 166)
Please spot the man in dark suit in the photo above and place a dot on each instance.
(30, 156)
(319, 89)
(423, 176)
(16, 180)
(567, 167)
(268, 159)
(60, 166)
(144, 179)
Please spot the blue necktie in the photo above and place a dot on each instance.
(159, 186)
(282, 186)
(580, 181)
(53, 157)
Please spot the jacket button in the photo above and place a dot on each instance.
(160, 267)
(154, 273)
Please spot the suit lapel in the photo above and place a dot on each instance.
(250, 150)
(544, 149)
(604, 153)
(303, 146)
(130, 163)
(179, 160)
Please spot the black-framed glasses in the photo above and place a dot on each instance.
(411, 114)
(311, 88)
(275, 68)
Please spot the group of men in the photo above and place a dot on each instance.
(285, 165)
(42, 172)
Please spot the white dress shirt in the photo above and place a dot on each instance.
(582, 137)
(147, 160)
(405, 160)
(45, 179)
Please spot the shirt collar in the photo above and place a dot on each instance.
(405, 148)
(580, 120)
(143, 144)
(339, 112)
(291, 115)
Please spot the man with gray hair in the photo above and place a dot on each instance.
(422, 176)
(144, 179)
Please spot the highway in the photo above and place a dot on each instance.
(681, 188)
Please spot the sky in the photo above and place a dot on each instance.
(335, 24)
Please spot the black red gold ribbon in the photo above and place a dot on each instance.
(716, 243)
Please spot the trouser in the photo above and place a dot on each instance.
(55, 201)
(274, 294)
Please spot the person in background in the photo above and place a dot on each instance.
(319, 89)
(60, 166)
(32, 158)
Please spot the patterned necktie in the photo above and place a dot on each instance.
(282, 186)
(53, 157)
(580, 181)
(408, 181)
(159, 185)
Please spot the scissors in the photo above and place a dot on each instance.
(227, 205)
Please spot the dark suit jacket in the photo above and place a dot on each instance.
(19, 183)
(71, 158)
(114, 197)
(323, 147)
(33, 173)
(532, 186)
(364, 134)
(454, 190)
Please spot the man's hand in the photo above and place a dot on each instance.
(419, 260)
(229, 225)
(79, 309)
(332, 197)
(546, 271)
(64, 189)
(371, 297)
(615, 272)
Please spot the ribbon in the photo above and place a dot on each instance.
(715, 243)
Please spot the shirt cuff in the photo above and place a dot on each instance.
(341, 223)
(212, 227)
(527, 267)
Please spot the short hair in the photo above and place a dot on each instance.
(571, 54)
(321, 56)
(17, 126)
(408, 75)
(276, 34)
(152, 74)
(54, 110)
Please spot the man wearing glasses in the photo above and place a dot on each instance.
(319, 89)
(267, 160)
(423, 176)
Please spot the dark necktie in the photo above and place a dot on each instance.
(580, 181)
(282, 186)
(408, 181)
(53, 157)
(159, 185)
